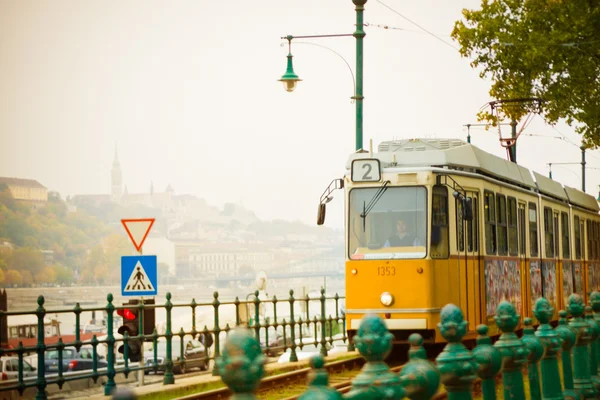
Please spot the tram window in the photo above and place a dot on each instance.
(460, 226)
(501, 224)
(473, 228)
(556, 233)
(439, 223)
(521, 228)
(533, 231)
(548, 232)
(577, 238)
(395, 224)
(589, 239)
(566, 237)
(597, 241)
(513, 239)
(490, 223)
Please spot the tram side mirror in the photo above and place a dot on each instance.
(467, 209)
(321, 214)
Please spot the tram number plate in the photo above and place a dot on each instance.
(386, 271)
(366, 170)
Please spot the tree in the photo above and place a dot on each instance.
(63, 274)
(2, 277)
(27, 278)
(13, 278)
(47, 275)
(27, 259)
(547, 49)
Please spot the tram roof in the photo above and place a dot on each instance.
(458, 154)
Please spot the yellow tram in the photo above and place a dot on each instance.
(437, 221)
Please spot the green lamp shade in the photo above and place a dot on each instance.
(289, 79)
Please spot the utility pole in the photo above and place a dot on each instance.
(513, 134)
(583, 168)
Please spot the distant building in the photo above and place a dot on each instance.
(26, 189)
(48, 256)
(6, 247)
(224, 263)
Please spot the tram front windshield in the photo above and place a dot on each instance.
(387, 223)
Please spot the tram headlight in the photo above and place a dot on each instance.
(386, 299)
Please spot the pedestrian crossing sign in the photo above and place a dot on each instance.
(139, 276)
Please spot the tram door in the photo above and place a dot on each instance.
(471, 270)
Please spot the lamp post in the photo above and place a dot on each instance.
(290, 79)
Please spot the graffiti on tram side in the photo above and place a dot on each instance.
(567, 270)
(549, 281)
(593, 277)
(502, 282)
(535, 277)
(577, 271)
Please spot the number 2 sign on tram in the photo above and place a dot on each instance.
(366, 170)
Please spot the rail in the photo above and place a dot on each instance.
(576, 340)
(293, 323)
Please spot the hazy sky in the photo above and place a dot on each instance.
(188, 90)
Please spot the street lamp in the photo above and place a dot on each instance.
(290, 79)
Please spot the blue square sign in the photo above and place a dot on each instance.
(139, 276)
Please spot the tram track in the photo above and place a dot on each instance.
(343, 384)
(269, 383)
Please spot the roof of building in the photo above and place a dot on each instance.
(21, 182)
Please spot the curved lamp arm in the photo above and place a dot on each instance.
(340, 56)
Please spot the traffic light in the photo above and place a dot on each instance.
(131, 325)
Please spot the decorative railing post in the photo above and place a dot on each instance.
(241, 366)
(595, 303)
(581, 363)
(551, 387)
(216, 329)
(375, 380)
(589, 318)
(420, 378)
(323, 325)
(536, 351)
(257, 316)
(318, 381)
(40, 348)
(567, 337)
(456, 363)
(293, 355)
(513, 351)
(489, 360)
(168, 378)
(110, 341)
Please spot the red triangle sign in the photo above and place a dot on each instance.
(138, 230)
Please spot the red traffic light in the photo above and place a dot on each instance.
(127, 314)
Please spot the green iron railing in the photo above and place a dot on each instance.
(456, 367)
(250, 312)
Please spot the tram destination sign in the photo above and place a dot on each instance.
(366, 170)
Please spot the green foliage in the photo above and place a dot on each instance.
(548, 49)
(26, 258)
(69, 235)
(13, 278)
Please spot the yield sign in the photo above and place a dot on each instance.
(138, 230)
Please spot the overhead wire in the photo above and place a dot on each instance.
(418, 26)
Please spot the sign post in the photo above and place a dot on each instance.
(139, 275)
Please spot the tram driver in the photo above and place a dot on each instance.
(401, 237)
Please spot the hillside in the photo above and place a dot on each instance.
(67, 237)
